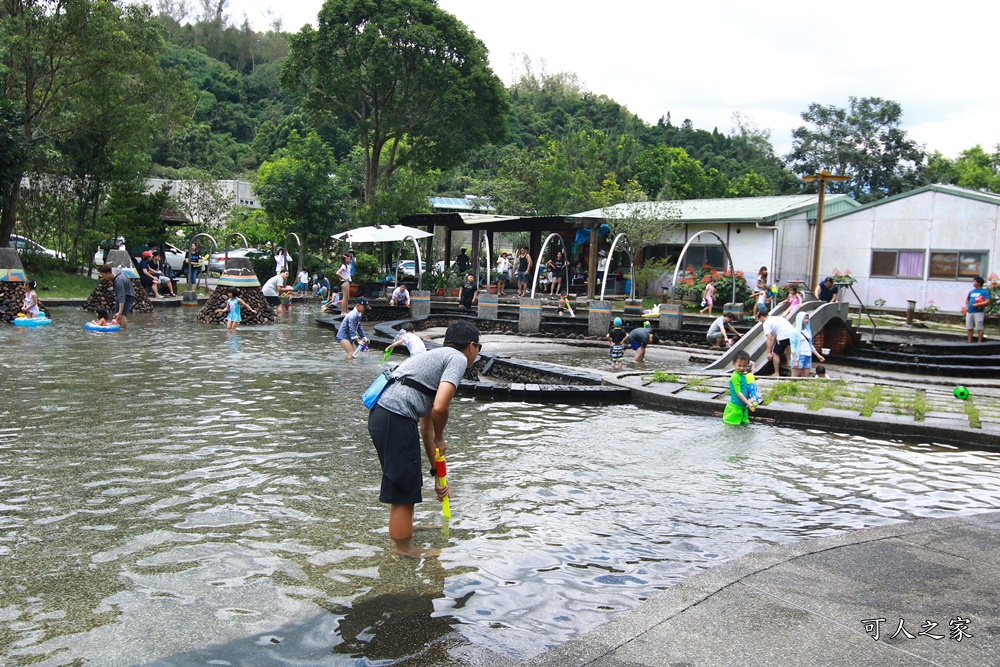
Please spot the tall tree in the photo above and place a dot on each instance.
(415, 83)
(298, 188)
(69, 63)
(974, 169)
(864, 142)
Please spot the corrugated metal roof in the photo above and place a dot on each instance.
(737, 209)
(460, 203)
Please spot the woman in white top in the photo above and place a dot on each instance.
(503, 273)
(281, 261)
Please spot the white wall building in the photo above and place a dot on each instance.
(230, 194)
(775, 232)
(925, 245)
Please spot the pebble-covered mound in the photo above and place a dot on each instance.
(240, 274)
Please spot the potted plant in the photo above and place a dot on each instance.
(436, 280)
(366, 275)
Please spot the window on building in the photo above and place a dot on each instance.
(951, 265)
(897, 263)
(699, 255)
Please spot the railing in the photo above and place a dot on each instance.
(862, 311)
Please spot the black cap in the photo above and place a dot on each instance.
(362, 301)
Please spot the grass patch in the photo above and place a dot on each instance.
(694, 383)
(62, 285)
(826, 392)
(818, 394)
(896, 403)
(972, 413)
(918, 405)
(780, 390)
(659, 376)
(870, 399)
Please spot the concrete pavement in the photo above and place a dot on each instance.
(821, 602)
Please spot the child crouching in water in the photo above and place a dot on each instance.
(738, 408)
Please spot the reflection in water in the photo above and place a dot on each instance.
(177, 495)
(389, 625)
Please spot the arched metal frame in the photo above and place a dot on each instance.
(538, 262)
(631, 265)
(732, 267)
(246, 244)
(489, 258)
(302, 248)
(419, 265)
(215, 248)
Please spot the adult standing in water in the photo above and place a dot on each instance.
(350, 329)
(344, 273)
(124, 293)
(414, 408)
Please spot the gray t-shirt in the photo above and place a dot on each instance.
(270, 288)
(717, 326)
(444, 364)
(123, 287)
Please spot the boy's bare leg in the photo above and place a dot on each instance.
(401, 532)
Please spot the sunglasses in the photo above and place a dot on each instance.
(479, 346)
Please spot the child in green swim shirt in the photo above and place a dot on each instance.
(738, 408)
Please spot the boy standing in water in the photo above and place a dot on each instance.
(411, 409)
(616, 336)
(739, 405)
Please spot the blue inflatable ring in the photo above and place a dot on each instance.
(90, 326)
(31, 321)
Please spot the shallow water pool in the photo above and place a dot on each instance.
(177, 495)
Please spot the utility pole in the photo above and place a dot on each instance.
(821, 179)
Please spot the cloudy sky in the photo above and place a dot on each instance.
(766, 60)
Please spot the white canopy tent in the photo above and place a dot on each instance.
(387, 234)
(381, 234)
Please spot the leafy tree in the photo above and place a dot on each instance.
(299, 186)
(400, 70)
(70, 63)
(974, 169)
(133, 213)
(257, 226)
(864, 142)
(13, 149)
(751, 184)
(628, 211)
(670, 173)
(203, 200)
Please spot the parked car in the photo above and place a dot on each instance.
(24, 244)
(174, 257)
(106, 246)
(408, 267)
(217, 260)
(173, 254)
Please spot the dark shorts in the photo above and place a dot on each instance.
(127, 308)
(780, 347)
(522, 277)
(273, 300)
(400, 452)
(635, 343)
